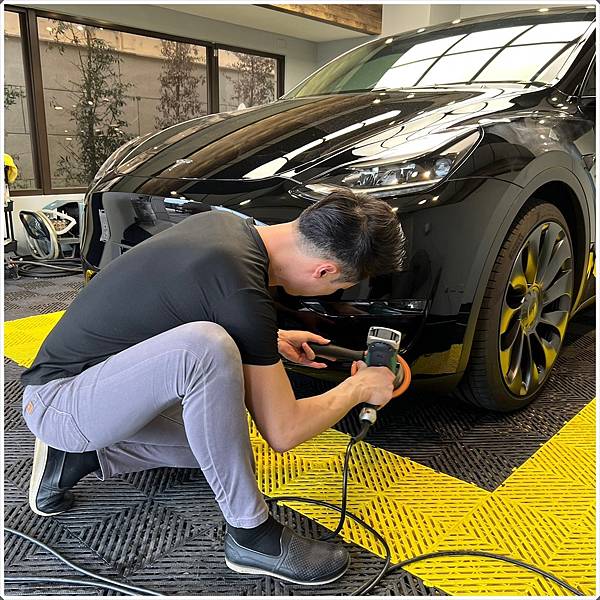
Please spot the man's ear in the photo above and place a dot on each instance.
(325, 269)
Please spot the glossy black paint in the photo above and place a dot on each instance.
(532, 142)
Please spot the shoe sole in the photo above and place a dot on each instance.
(255, 571)
(40, 456)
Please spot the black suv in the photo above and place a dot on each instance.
(479, 133)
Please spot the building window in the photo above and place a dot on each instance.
(17, 122)
(103, 87)
(246, 79)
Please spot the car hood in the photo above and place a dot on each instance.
(290, 137)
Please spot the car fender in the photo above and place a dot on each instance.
(498, 227)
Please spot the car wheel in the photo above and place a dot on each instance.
(524, 313)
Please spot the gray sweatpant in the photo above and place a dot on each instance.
(176, 399)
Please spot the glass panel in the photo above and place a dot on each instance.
(427, 50)
(492, 38)
(404, 76)
(554, 32)
(550, 72)
(519, 62)
(17, 130)
(245, 80)
(103, 87)
(376, 65)
(457, 68)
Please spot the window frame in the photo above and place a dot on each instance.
(35, 90)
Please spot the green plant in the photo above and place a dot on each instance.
(255, 83)
(98, 96)
(12, 93)
(180, 84)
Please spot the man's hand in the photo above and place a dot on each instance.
(370, 385)
(293, 345)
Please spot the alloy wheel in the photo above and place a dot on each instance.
(535, 308)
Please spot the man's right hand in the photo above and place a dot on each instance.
(370, 385)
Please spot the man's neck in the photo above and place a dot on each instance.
(280, 242)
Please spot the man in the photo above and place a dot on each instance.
(157, 359)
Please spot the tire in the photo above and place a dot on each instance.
(498, 377)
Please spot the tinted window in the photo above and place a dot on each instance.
(518, 49)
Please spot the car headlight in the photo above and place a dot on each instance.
(394, 174)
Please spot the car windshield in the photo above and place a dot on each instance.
(524, 49)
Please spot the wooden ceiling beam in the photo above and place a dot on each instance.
(365, 18)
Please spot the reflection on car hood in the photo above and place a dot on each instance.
(287, 137)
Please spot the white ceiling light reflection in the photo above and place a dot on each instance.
(456, 67)
(404, 76)
(245, 202)
(275, 165)
(516, 63)
(554, 32)
(469, 108)
(343, 131)
(426, 50)
(490, 38)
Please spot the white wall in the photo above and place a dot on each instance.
(327, 51)
(475, 10)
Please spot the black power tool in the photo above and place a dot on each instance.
(382, 351)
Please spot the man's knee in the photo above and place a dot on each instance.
(210, 337)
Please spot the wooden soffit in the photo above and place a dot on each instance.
(365, 18)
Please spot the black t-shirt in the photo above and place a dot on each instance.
(210, 267)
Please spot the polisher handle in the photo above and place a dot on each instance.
(337, 352)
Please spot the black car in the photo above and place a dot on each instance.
(479, 133)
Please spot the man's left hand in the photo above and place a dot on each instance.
(293, 345)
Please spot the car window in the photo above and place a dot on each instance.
(517, 49)
(589, 87)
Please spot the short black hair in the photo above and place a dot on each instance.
(361, 233)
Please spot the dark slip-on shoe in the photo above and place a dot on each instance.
(301, 561)
(46, 496)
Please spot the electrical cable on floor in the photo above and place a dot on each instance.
(386, 569)
(60, 267)
(122, 587)
(83, 582)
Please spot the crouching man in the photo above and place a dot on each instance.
(157, 360)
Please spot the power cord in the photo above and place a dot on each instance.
(386, 569)
(101, 582)
(60, 267)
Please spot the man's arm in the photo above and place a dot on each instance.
(285, 422)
